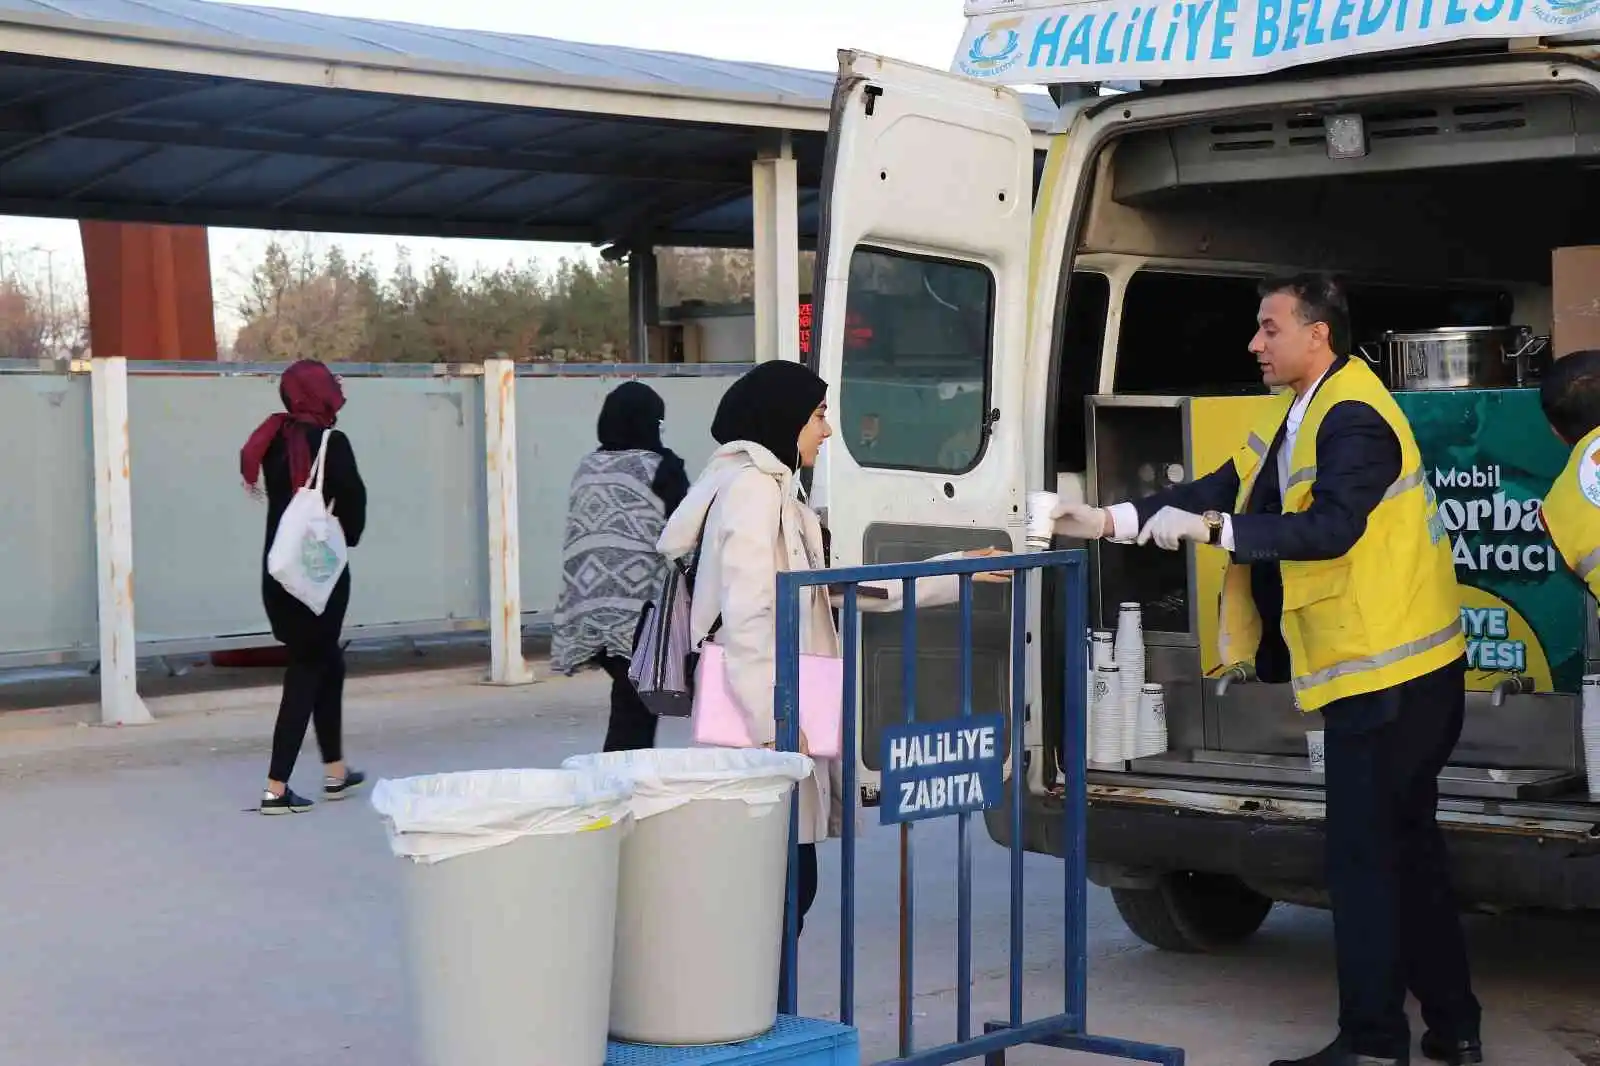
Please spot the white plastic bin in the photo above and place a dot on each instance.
(511, 888)
(700, 900)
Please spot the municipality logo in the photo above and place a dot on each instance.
(1567, 13)
(1589, 476)
(997, 49)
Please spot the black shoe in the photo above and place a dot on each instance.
(1452, 1052)
(338, 790)
(288, 803)
(1336, 1054)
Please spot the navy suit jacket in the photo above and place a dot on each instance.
(1358, 458)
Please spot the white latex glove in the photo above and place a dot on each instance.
(1170, 527)
(1079, 521)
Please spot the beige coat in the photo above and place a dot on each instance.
(755, 524)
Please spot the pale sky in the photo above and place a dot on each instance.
(802, 34)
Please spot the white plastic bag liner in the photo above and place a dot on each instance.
(442, 816)
(664, 779)
(308, 553)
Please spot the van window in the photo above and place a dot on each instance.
(1083, 333)
(916, 361)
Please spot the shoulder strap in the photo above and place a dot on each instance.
(691, 570)
(314, 479)
(690, 566)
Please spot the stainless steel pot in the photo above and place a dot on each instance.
(1459, 357)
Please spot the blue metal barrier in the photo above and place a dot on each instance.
(972, 753)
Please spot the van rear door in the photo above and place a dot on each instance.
(922, 308)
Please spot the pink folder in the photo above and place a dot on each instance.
(718, 719)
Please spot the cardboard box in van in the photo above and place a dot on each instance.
(1575, 299)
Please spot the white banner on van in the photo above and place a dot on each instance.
(1029, 42)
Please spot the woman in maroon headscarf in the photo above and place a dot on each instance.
(283, 449)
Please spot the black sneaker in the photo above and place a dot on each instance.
(288, 803)
(338, 790)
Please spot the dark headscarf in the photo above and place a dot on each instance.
(770, 405)
(311, 396)
(630, 419)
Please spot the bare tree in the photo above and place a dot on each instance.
(44, 304)
(714, 275)
(298, 305)
(303, 298)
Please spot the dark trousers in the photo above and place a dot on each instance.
(313, 692)
(1396, 926)
(806, 876)
(632, 726)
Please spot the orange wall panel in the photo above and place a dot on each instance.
(149, 290)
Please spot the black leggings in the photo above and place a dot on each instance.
(313, 692)
(632, 726)
(806, 874)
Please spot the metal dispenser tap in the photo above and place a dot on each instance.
(1515, 685)
(1238, 674)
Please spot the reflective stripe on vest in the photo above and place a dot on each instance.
(1379, 661)
(1406, 483)
(1415, 479)
(1587, 565)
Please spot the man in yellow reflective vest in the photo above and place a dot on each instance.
(1570, 395)
(1340, 583)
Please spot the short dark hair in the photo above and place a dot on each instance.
(1570, 395)
(1321, 299)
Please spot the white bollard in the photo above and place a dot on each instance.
(506, 664)
(120, 703)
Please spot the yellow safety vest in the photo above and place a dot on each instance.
(1572, 512)
(1384, 613)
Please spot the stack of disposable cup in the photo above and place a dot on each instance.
(1152, 722)
(1591, 732)
(1129, 651)
(1105, 718)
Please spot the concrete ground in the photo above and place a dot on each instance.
(147, 920)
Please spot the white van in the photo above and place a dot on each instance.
(1082, 326)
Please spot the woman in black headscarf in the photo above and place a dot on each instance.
(771, 405)
(620, 499)
(746, 514)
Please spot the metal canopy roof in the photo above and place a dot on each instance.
(213, 114)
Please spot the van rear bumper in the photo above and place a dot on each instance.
(1276, 846)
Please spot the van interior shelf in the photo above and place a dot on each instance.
(1464, 781)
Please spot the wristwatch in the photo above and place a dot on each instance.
(1213, 521)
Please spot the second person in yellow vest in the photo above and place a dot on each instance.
(1340, 584)
(1570, 395)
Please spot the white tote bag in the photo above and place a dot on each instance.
(308, 555)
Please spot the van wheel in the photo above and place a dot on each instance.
(1194, 913)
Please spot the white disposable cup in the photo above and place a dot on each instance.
(1316, 753)
(1041, 520)
(1103, 641)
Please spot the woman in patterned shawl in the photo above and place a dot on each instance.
(621, 497)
